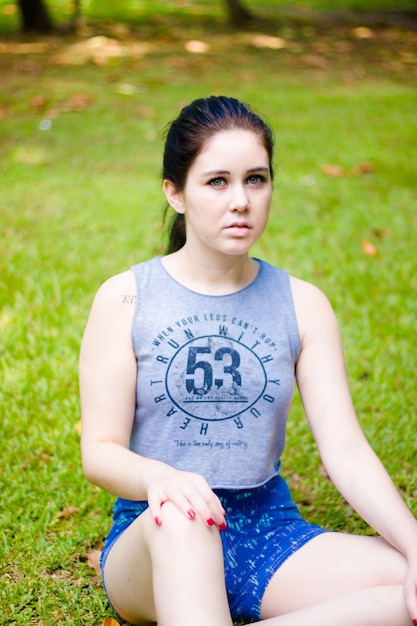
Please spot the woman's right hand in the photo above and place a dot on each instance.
(188, 491)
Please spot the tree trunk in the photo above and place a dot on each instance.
(76, 16)
(35, 16)
(238, 13)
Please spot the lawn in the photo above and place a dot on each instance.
(81, 133)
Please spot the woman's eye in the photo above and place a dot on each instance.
(217, 182)
(255, 179)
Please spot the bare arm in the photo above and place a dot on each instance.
(350, 462)
(107, 387)
(108, 395)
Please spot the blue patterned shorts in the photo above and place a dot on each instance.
(264, 527)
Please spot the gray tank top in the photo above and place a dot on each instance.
(215, 375)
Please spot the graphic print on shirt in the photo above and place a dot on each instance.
(223, 374)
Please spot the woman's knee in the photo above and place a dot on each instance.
(177, 530)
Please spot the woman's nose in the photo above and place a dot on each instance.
(239, 201)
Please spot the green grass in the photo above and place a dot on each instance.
(81, 200)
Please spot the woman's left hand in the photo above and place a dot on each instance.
(410, 589)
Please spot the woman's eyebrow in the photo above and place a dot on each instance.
(261, 168)
(215, 173)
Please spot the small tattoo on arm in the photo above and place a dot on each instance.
(128, 299)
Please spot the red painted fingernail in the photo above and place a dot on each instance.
(191, 514)
(415, 622)
(222, 526)
(210, 522)
(157, 521)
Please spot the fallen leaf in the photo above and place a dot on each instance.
(93, 560)
(315, 60)
(381, 233)
(77, 102)
(146, 111)
(362, 32)
(67, 512)
(197, 47)
(40, 457)
(334, 171)
(363, 168)
(37, 102)
(266, 41)
(109, 621)
(368, 248)
(53, 113)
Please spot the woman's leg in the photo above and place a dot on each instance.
(171, 574)
(339, 578)
(376, 606)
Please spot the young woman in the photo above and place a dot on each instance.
(187, 370)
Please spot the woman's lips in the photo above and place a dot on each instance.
(239, 226)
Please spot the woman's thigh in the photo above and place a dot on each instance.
(127, 573)
(331, 565)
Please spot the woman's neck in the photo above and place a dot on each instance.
(218, 275)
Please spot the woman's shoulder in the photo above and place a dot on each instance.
(123, 283)
(115, 297)
(120, 290)
(302, 289)
(107, 338)
(311, 304)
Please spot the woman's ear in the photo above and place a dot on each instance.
(174, 197)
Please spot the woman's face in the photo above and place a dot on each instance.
(227, 193)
